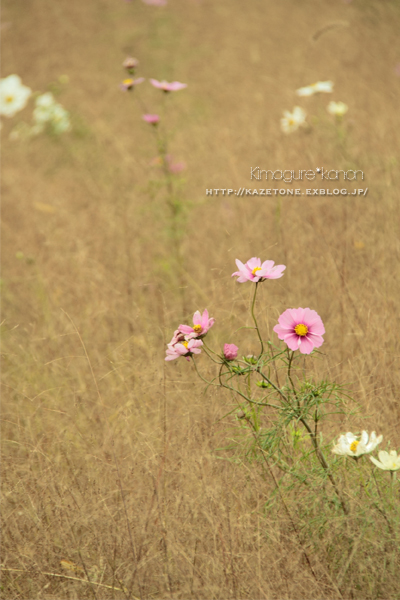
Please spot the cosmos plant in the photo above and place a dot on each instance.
(255, 382)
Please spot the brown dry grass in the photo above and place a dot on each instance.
(97, 262)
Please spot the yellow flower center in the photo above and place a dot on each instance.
(9, 99)
(353, 446)
(254, 271)
(128, 81)
(197, 329)
(185, 344)
(301, 329)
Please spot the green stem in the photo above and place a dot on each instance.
(255, 320)
(324, 464)
(273, 385)
(201, 377)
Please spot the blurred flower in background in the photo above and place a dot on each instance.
(129, 84)
(155, 2)
(168, 87)
(293, 120)
(151, 119)
(338, 109)
(13, 95)
(314, 88)
(50, 113)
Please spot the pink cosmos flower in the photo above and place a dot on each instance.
(175, 168)
(301, 329)
(152, 119)
(185, 348)
(168, 87)
(129, 84)
(201, 324)
(155, 2)
(253, 270)
(230, 351)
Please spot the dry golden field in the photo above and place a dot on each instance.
(122, 476)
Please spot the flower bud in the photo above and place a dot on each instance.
(230, 351)
(130, 64)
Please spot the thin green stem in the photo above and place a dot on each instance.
(255, 320)
(324, 464)
(201, 377)
(273, 385)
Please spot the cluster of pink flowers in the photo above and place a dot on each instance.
(187, 339)
(130, 65)
(300, 328)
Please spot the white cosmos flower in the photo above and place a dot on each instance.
(60, 120)
(292, 121)
(314, 88)
(13, 95)
(388, 461)
(349, 445)
(48, 111)
(46, 100)
(338, 109)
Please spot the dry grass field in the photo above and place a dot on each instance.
(124, 476)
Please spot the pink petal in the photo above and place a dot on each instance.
(280, 331)
(286, 320)
(316, 340)
(292, 340)
(195, 351)
(306, 345)
(197, 318)
(253, 263)
(181, 349)
(204, 319)
(185, 329)
(267, 265)
(297, 314)
(277, 272)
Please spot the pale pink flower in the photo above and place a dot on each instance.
(201, 324)
(155, 2)
(253, 270)
(152, 119)
(175, 168)
(185, 348)
(230, 351)
(168, 87)
(130, 64)
(301, 329)
(129, 84)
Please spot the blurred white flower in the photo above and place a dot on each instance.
(320, 86)
(13, 95)
(292, 121)
(48, 111)
(45, 101)
(349, 445)
(60, 119)
(338, 109)
(388, 461)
